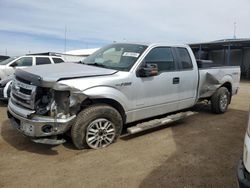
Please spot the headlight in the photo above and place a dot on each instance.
(248, 124)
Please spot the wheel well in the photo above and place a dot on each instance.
(110, 102)
(228, 86)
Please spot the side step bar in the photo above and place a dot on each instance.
(49, 141)
(159, 122)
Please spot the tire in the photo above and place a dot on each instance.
(220, 100)
(96, 127)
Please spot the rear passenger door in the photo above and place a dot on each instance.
(188, 78)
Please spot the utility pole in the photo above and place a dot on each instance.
(65, 38)
(235, 25)
(6, 51)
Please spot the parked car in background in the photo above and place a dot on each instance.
(5, 88)
(3, 57)
(8, 66)
(243, 170)
(67, 57)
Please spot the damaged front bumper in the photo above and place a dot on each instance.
(35, 126)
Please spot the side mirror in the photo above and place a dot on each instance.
(148, 70)
(13, 65)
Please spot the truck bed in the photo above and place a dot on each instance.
(213, 77)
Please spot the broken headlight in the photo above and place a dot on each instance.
(44, 98)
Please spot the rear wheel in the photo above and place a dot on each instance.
(96, 127)
(220, 100)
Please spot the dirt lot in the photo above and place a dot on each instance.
(202, 151)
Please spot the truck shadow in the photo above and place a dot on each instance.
(208, 148)
(3, 103)
(202, 107)
(22, 143)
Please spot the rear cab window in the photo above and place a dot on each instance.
(184, 58)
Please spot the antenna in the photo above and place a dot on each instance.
(235, 25)
(65, 38)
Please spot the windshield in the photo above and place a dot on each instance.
(116, 56)
(6, 61)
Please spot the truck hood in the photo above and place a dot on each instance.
(47, 74)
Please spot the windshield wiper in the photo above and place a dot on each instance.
(96, 64)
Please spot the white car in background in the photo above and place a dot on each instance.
(8, 66)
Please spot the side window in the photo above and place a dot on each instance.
(163, 57)
(185, 60)
(42, 61)
(58, 60)
(23, 62)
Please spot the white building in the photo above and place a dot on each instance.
(82, 52)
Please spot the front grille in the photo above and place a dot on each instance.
(23, 93)
(18, 98)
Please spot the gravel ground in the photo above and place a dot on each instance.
(201, 151)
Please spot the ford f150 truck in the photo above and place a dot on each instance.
(119, 84)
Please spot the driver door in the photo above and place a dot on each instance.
(156, 95)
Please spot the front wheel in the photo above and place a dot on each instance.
(220, 100)
(96, 127)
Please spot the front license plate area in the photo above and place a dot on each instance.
(27, 128)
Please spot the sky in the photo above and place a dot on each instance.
(29, 26)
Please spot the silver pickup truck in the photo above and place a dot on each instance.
(119, 84)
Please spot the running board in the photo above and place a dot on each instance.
(159, 122)
(49, 141)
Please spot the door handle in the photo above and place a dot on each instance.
(176, 80)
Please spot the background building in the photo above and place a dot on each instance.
(226, 52)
